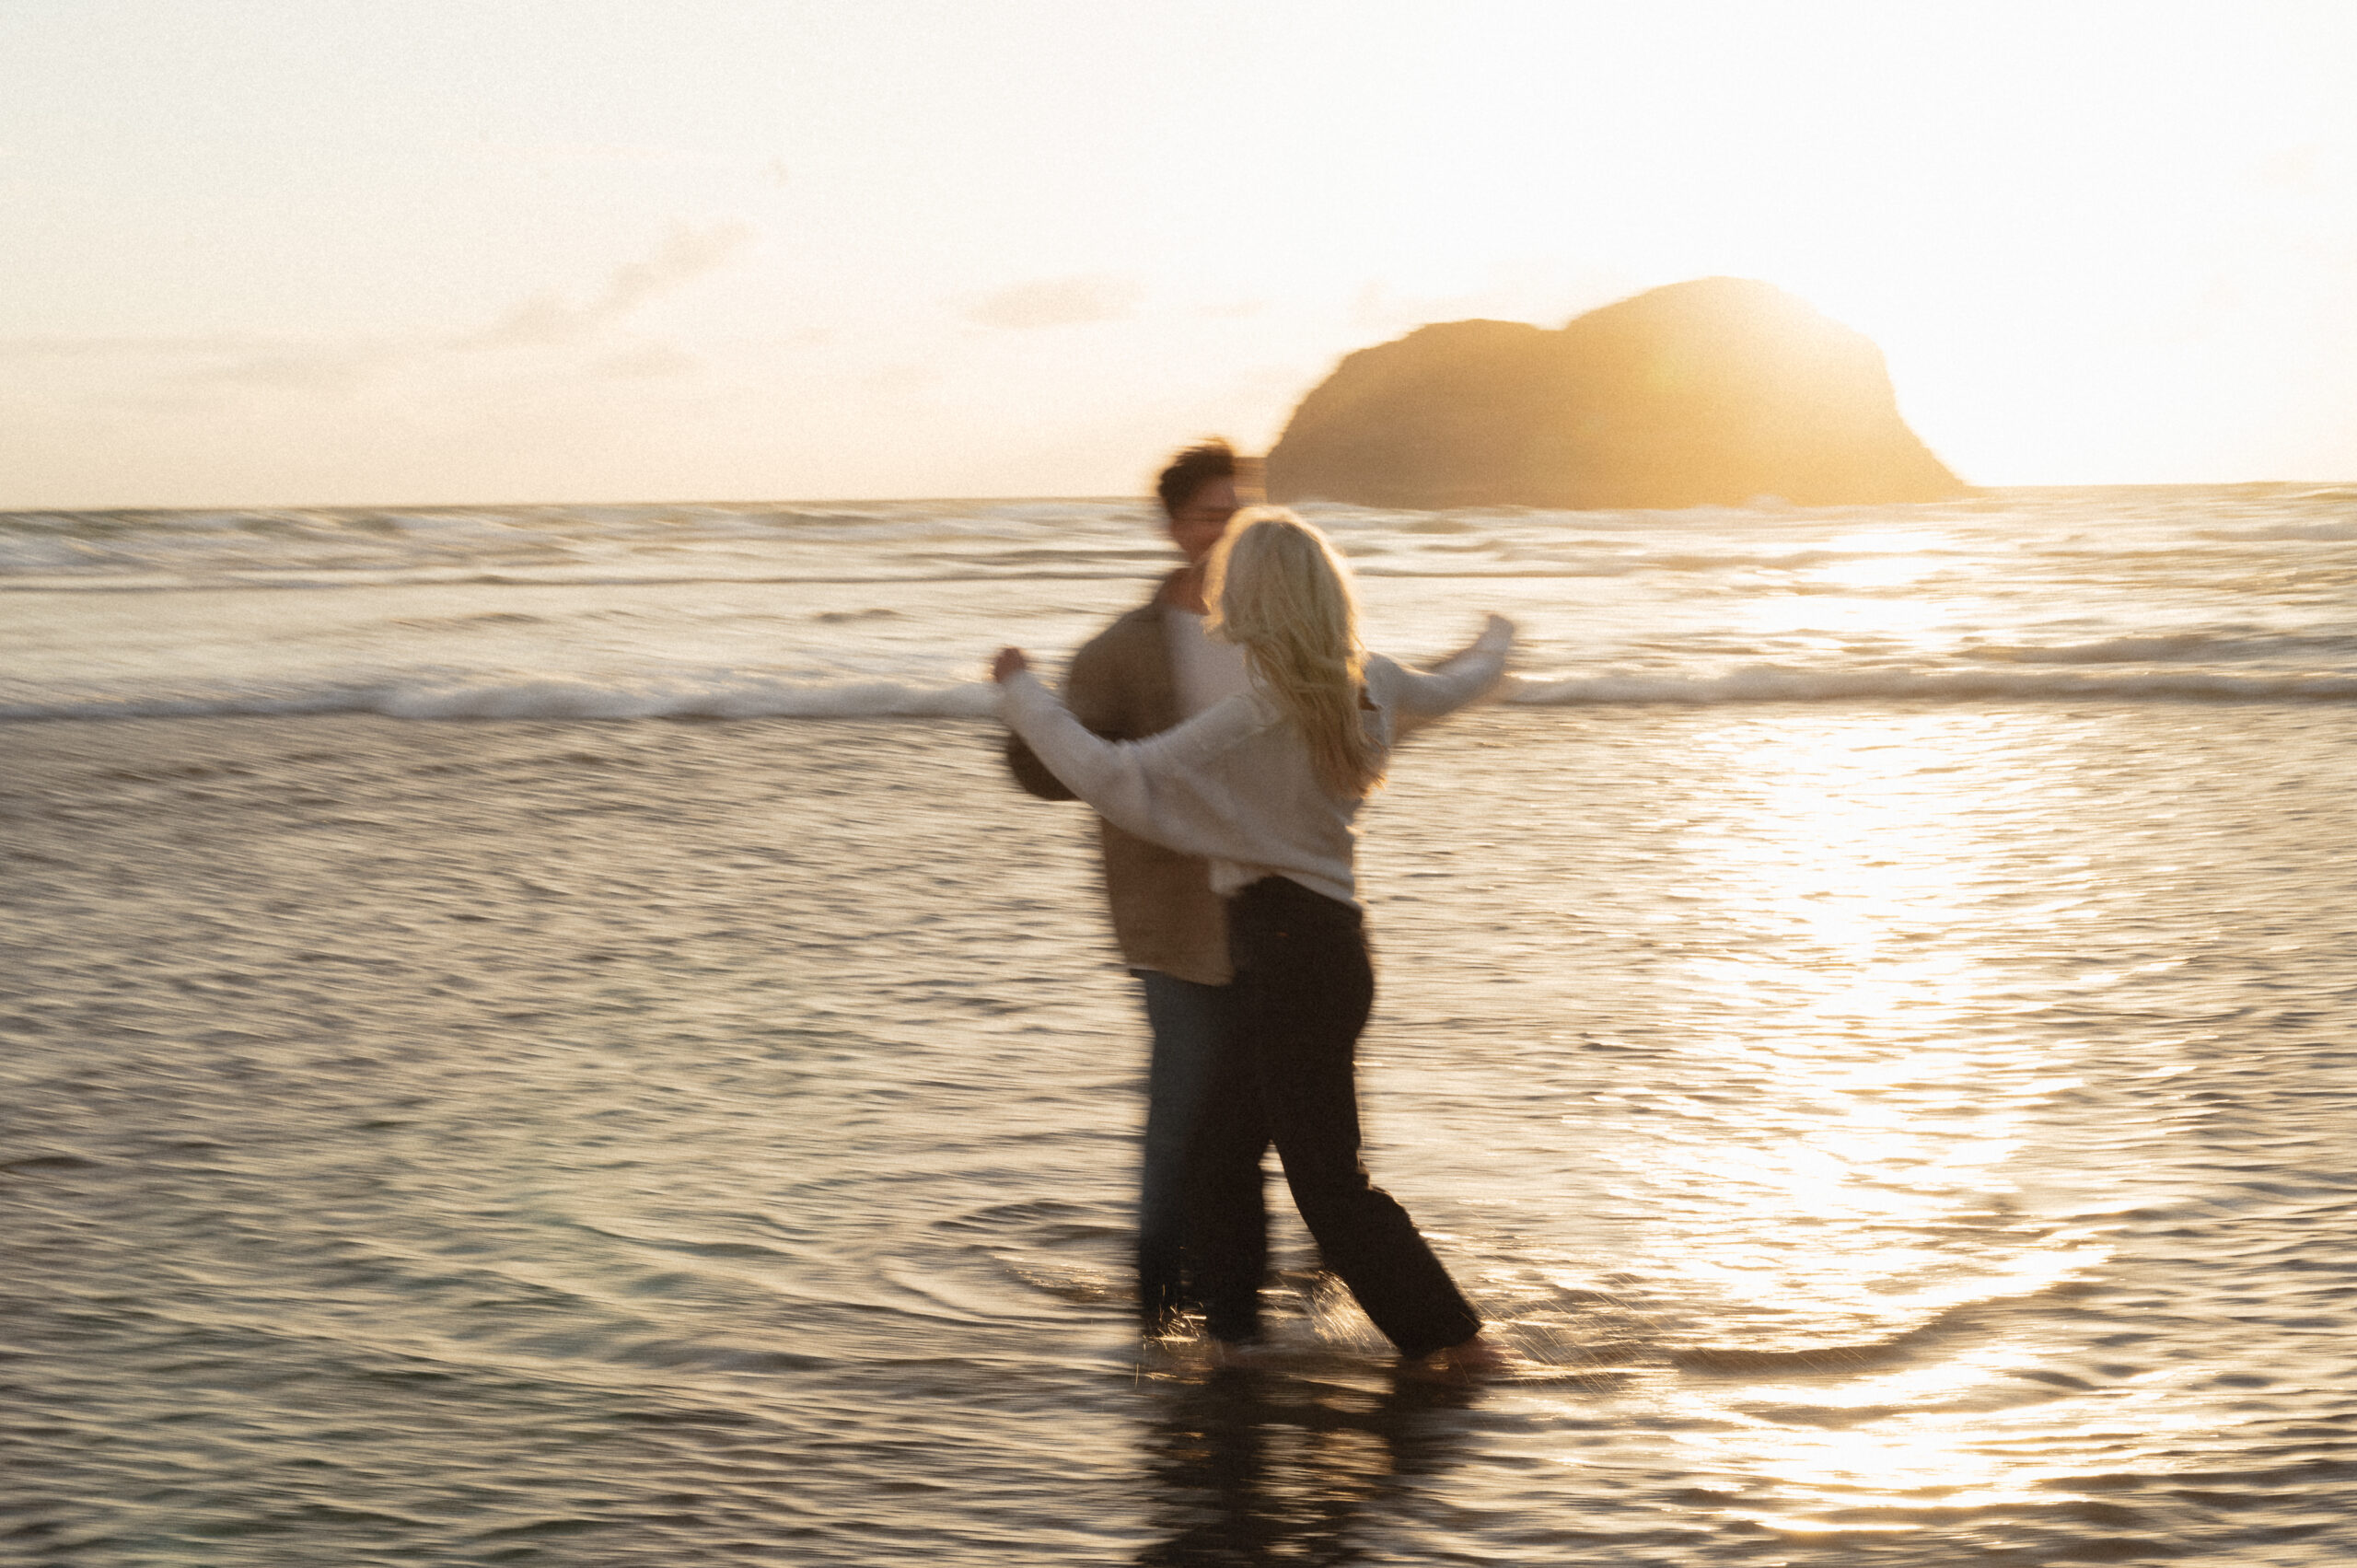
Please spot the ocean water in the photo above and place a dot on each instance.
(877, 608)
(543, 1035)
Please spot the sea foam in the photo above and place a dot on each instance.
(743, 696)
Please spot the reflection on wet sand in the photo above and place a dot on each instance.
(1251, 1465)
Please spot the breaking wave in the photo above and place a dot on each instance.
(742, 696)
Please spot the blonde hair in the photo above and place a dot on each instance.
(1278, 590)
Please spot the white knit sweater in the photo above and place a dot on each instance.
(1236, 784)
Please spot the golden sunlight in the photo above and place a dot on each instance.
(1825, 1208)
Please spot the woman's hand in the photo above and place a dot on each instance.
(1010, 661)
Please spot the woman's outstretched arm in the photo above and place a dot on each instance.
(1169, 788)
(1462, 677)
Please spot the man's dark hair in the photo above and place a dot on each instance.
(1194, 467)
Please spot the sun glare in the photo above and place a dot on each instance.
(1846, 1190)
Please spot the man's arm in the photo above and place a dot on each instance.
(1091, 693)
(1032, 773)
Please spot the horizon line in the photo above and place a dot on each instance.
(1143, 497)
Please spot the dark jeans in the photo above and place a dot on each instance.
(1190, 1021)
(1303, 990)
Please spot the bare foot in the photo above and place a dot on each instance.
(1468, 1357)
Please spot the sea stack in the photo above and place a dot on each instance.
(1713, 392)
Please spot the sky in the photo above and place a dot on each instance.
(344, 252)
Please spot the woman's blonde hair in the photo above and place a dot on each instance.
(1278, 590)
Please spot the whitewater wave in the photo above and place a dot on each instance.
(1777, 683)
(737, 695)
(565, 577)
(2175, 647)
(732, 697)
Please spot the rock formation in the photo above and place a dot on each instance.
(1712, 392)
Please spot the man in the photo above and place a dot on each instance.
(1150, 669)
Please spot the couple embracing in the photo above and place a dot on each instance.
(1226, 732)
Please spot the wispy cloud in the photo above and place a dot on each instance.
(326, 366)
(90, 348)
(1059, 302)
(248, 360)
(302, 367)
(647, 362)
(550, 319)
(642, 154)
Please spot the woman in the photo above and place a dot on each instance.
(1265, 785)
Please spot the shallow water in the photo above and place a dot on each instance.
(1893, 1134)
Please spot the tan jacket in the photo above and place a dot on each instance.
(1164, 914)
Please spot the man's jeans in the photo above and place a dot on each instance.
(1188, 1021)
